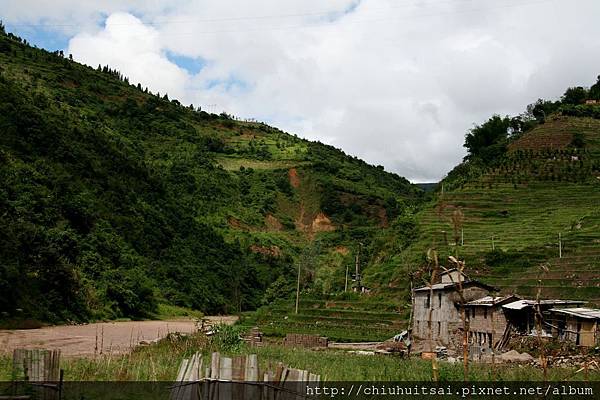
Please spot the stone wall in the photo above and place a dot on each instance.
(302, 340)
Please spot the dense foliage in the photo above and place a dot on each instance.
(114, 199)
(487, 144)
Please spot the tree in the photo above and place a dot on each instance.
(578, 140)
(541, 109)
(488, 140)
(575, 95)
(594, 92)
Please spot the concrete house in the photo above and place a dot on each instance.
(578, 325)
(443, 302)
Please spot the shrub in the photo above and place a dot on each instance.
(227, 338)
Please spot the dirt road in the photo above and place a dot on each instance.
(105, 337)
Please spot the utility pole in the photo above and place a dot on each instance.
(346, 284)
(298, 287)
(559, 245)
(462, 237)
(358, 286)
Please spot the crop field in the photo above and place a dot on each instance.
(339, 320)
(525, 221)
(235, 163)
(539, 207)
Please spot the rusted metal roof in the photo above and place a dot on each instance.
(587, 313)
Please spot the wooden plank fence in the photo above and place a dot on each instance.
(42, 369)
(239, 378)
(36, 365)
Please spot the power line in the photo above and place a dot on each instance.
(304, 26)
(361, 21)
(259, 17)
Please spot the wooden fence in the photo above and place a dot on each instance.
(42, 369)
(239, 378)
(36, 365)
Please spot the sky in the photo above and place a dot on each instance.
(397, 83)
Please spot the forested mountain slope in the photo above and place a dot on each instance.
(114, 199)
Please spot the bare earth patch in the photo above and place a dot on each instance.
(103, 337)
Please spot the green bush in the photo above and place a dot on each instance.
(227, 338)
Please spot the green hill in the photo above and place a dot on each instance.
(114, 199)
(504, 218)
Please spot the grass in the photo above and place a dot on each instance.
(168, 311)
(341, 320)
(234, 163)
(524, 223)
(157, 362)
(161, 362)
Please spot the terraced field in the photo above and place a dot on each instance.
(339, 320)
(516, 212)
(527, 221)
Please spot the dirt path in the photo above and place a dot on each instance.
(108, 337)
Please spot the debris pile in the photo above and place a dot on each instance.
(514, 356)
(580, 361)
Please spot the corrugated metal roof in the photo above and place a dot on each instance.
(442, 286)
(516, 305)
(588, 313)
(436, 286)
(521, 304)
(489, 300)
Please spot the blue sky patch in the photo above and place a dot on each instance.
(191, 65)
(43, 38)
(335, 15)
(231, 83)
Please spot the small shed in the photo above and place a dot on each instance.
(520, 314)
(578, 325)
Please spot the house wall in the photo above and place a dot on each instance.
(587, 331)
(492, 321)
(452, 277)
(446, 322)
(445, 317)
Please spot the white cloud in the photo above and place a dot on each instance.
(397, 84)
(134, 49)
